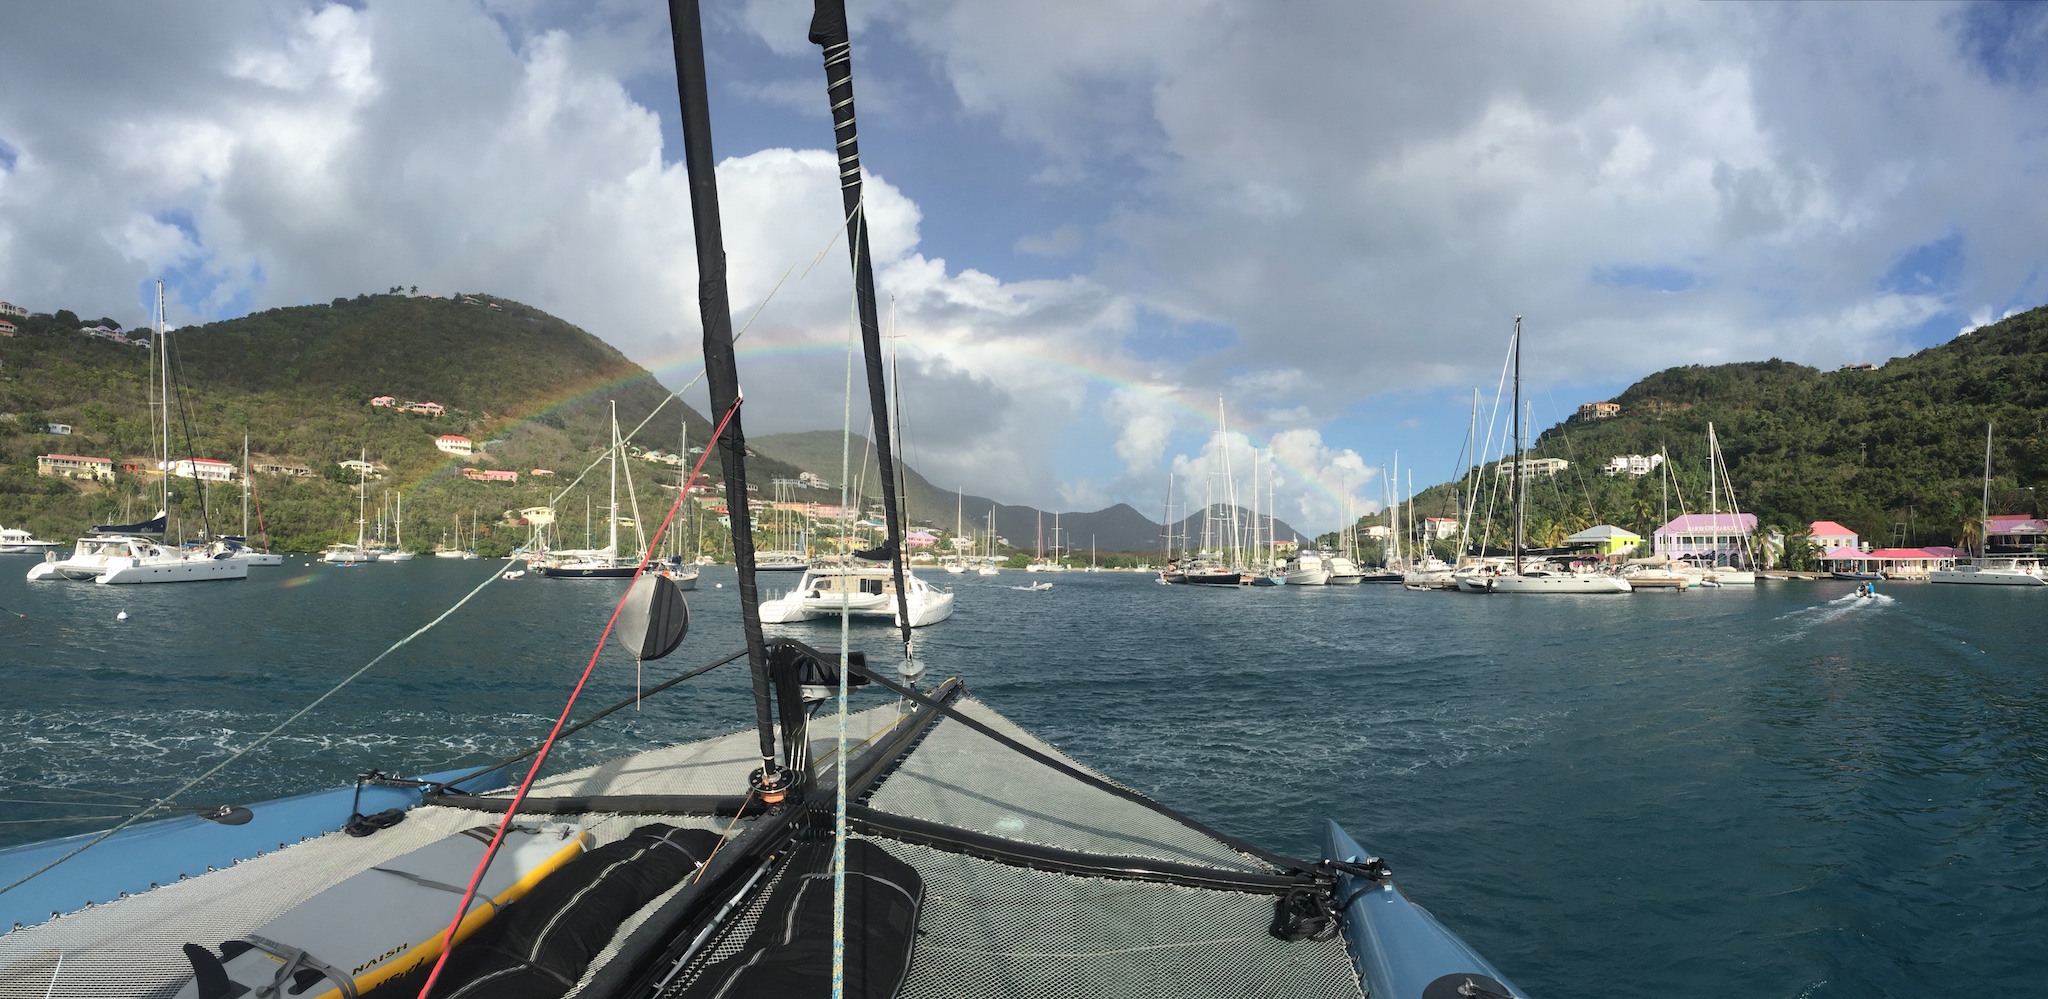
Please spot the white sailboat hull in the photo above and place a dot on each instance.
(1308, 577)
(1560, 583)
(172, 569)
(1981, 576)
(258, 558)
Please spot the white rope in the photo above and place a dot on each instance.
(250, 748)
(845, 659)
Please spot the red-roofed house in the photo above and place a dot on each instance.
(426, 408)
(1830, 535)
(383, 400)
(71, 466)
(455, 444)
(542, 471)
(6, 328)
(1895, 563)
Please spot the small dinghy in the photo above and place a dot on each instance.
(383, 922)
(1033, 588)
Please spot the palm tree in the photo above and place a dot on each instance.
(1770, 545)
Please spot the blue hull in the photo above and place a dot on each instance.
(1400, 950)
(148, 854)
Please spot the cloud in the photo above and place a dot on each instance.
(1314, 209)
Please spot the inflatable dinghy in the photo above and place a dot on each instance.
(1401, 951)
(383, 922)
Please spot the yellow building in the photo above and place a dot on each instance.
(1610, 540)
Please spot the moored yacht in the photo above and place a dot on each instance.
(857, 589)
(15, 541)
(1992, 572)
(1343, 571)
(1307, 569)
(1546, 577)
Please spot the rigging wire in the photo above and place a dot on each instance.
(260, 740)
(845, 659)
(541, 758)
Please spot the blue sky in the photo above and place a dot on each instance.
(1095, 218)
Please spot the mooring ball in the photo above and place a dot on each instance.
(654, 619)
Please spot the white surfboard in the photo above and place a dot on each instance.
(385, 921)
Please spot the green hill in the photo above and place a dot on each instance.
(534, 390)
(1895, 453)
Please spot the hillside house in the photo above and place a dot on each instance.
(425, 408)
(7, 328)
(1830, 535)
(1532, 467)
(367, 469)
(1378, 532)
(203, 469)
(1440, 529)
(455, 444)
(540, 472)
(57, 429)
(11, 309)
(1599, 410)
(810, 480)
(1632, 465)
(71, 466)
(285, 469)
(384, 401)
(489, 475)
(538, 516)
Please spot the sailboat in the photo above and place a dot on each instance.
(1984, 569)
(602, 563)
(788, 553)
(139, 553)
(958, 564)
(396, 552)
(927, 846)
(343, 553)
(988, 565)
(238, 546)
(1538, 576)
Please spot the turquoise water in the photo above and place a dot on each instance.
(1779, 791)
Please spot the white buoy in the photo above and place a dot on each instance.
(123, 616)
(720, 585)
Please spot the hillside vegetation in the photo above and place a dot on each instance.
(1895, 453)
(534, 389)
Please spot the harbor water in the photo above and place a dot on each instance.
(1783, 790)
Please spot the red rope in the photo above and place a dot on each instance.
(490, 852)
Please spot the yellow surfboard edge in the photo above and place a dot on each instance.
(430, 948)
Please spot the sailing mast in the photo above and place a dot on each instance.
(714, 310)
(1984, 510)
(1236, 556)
(1516, 493)
(829, 33)
(245, 487)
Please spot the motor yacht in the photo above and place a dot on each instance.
(858, 589)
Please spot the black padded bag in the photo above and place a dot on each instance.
(790, 950)
(540, 945)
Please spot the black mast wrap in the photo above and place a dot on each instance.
(720, 369)
(828, 32)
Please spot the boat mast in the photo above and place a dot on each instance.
(829, 33)
(1984, 511)
(1236, 556)
(362, 499)
(163, 357)
(1516, 494)
(714, 311)
(245, 487)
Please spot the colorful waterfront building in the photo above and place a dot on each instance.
(2016, 533)
(1722, 538)
(1607, 540)
(1830, 535)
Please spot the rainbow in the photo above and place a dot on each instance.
(683, 364)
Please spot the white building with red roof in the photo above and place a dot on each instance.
(455, 444)
(1830, 535)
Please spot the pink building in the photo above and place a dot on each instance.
(425, 408)
(1721, 538)
(2015, 533)
(1830, 535)
(383, 400)
(489, 475)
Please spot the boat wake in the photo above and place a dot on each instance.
(1807, 618)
